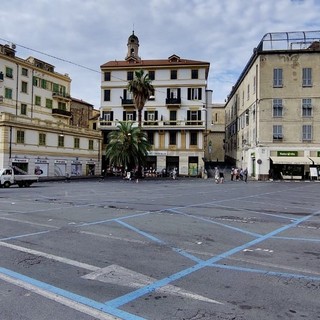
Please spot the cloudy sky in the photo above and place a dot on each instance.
(77, 36)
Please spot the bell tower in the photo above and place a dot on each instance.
(133, 47)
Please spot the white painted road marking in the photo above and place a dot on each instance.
(115, 274)
(59, 299)
(50, 256)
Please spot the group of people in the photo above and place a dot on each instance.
(239, 174)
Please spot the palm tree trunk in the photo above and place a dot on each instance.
(139, 118)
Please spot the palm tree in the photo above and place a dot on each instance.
(141, 88)
(127, 147)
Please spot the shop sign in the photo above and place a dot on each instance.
(76, 162)
(42, 161)
(287, 153)
(60, 161)
(20, 160)
(157, 153)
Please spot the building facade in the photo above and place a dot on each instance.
(174, 117)
(272, 112)
(36, 132)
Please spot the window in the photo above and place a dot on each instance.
(23, 109)
(76, 143)
(194, 94)
(306, 108)
(277, 78)
(62, 106)
(20, 136)
(193, 138)
(277, 107)
(9, 72)
(277, 132)
(43, 84)
(306, 77)
(150, 137)
(130, 75)
(24, 87)
(173, 96)
(49, 103)
(150, 117)
(37, 100)
(173, 117)
(254, 85)
(193, 116)
(42, 139)
(151, 75)
(8, 93)
(306, 132)
(172, 138)
(242, 97)
(173, 74)
(195, 74)
(107, 76)
(60, 140)
(130, 116)
(24, 72)
(90, 146)
(248, 91)
(107, 117)
(107, 95)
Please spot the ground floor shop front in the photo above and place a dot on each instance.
(265, 163)
(51, 167)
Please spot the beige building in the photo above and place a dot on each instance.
(35, 113)
(214, 152)
(174, 117)
(272, 114)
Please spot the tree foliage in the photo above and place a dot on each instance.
(128, 146)
(141, 88)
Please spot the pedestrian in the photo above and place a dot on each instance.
(103, 174)
(221, 177)
(236, 173)
(232, 173)
(216, 175)
(245, 174)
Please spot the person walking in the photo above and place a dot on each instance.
(245, 174)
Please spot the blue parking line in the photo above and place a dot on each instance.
(115, 303)
(297, 239)
(111, 220)
(267, 272)
(147, 235)
(71, 296)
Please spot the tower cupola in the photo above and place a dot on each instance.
(133, 47)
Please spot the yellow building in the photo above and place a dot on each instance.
(272, 114)
(36, 131)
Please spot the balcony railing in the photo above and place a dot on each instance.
(61, 112)
(173, 101)
(161, 124)
(127, 102)
(61, 95)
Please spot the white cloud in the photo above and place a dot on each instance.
(93, 32)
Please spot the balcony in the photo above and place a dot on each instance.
(61, 96)
(61, 113)
(127, 102)
(173, 102)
